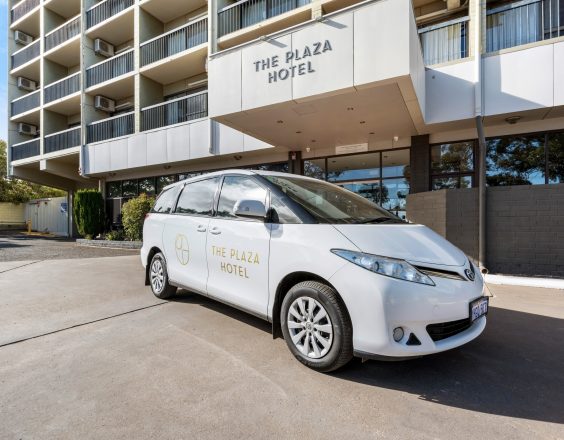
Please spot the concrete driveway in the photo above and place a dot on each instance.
(86, 351)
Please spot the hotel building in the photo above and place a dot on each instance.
(447, 112)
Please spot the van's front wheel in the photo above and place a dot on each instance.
(316, 326)
(158, 278)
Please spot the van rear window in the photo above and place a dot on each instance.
(165, 201)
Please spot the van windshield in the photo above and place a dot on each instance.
(329, 203)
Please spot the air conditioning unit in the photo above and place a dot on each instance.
(26, 84)
(103, 48)
(22, 38)
(104, 104)
(27, 129)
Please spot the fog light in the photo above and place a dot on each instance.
(398, 334)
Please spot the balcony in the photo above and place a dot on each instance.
(25, 149)
(523, 22)
(104, 10)
(62, 88)
(23, 8)
(26, 103)
(26, 54)
(444, 42)
(246, 13)
(62, 34)
(62, 140)
(175, 42)
(175, 111)
(110, 69)
(117, 126)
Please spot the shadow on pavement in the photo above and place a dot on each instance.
(515, 369)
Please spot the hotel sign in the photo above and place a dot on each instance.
(292, 63)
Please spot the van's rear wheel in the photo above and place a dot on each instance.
(158, 278)
(316, 326)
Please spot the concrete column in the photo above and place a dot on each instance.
(420, 164)
(295, 162)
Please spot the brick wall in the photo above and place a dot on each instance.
(12, 214)
(524, 232)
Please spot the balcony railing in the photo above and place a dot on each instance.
(23, 8)
(110, 68)
(64, 87)
(26, 103)
(62, 33)
(26, 54)
(175, 41)
(175, 111)
(25, 149)
(110, 128)
(523, 22)
(62, 140)
(444, 42)
(106, 9)
(246, 13)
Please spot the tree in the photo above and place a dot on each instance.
(19, 191)
(88, 212)
(133, 216)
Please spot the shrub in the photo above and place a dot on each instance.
(133, 215)
(88, 209)
(115, 235)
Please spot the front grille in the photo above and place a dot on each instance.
(445, 330)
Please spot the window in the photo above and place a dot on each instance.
(281, 213)
(355, 167)
(330, 204)
(147, 186)
(555, 147)
(163, 181)
(197, 198)
(165, 201)
(315, 168)
(452, 165)
(129, 188)
(114, 190)
(235, 188)
(516, 160)
(446, 41)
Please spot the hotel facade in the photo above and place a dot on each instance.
(446, 112)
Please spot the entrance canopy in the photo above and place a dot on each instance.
(347, 78)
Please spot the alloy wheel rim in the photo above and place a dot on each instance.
(157, 276)
(310, 327)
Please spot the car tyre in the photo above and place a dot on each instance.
(316, 326)
(158, 278)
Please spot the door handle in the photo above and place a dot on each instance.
(215, 231)
(201, 228)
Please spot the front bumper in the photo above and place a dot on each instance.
(378, 304)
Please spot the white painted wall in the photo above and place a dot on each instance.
(369, 45)
(176, 143)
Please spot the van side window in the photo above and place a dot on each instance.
(281, 213)
(235, 188)
(165, 201)
(197, 197)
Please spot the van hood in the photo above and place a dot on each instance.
(413, 243)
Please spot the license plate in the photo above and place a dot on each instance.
(478, 308)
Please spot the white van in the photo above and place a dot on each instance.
(335, 274)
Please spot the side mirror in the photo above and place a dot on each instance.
(250, 209)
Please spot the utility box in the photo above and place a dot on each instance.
(49, 215)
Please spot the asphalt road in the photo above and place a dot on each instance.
(86, 351)
(16, 246)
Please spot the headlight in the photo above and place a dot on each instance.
(390, 267)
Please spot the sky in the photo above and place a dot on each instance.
(3, 69)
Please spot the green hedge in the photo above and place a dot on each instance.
(88, 209)
(133, 216)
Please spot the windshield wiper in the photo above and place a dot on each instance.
(378, 220)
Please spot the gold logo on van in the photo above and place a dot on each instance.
(182, 249)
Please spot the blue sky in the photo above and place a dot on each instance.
(3, 69)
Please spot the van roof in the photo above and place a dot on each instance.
(235, 171)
